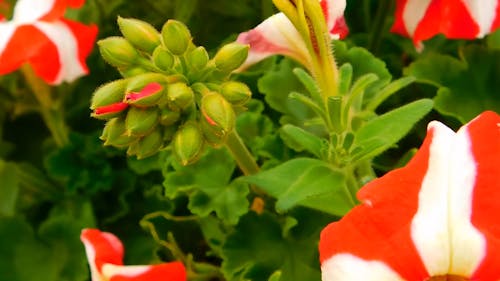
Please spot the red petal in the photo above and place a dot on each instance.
(112, 108)
(484, 132)
(150, 89)
(379, 230)
(59, 8)
(399, 25)
(173, 271)
(340, 28)
(106, 246)
(85, 36)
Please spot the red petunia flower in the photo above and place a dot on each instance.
(277, 35)
(436, 218)
(105, 255)
(56, 48)
(458, 19)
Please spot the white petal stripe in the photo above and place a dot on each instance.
(346, 267)
(414, 12)
(483, 12)
(29, 11)
(110, 270)
(7, 29)
(67, 47)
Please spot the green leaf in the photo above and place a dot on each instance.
(9, 188)
(307, 182)
(257, 249)
(299, 139)
(384, 131)
(467, 86)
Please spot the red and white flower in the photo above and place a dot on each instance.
(56, 48)
(277, 35)
(105, 256)
(458, 19)
(435, 218)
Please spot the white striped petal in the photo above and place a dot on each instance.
(110, 270)
(29, 11)
(483, 12)
(413, 13)
(346, 267)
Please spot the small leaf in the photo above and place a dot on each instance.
(9, 188)
(300, 139)
(307, 182)
(384, 131)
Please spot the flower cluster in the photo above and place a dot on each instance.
(434, 218)
(105, 256)
(37, 34)
(172, 92)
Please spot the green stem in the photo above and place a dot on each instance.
(240, 153)
(384, 8)
(49, 109)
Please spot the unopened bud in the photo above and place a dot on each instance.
(132, 71)
(230, 57)
(140, 122)
(236, 93)
(218, 113)
(140, 34)
(109, 93)
(180, 96)
(117, 51)
(188, 143)
(114, 133)
(214, 136)
(145, 89)
(162, 58)
(169, 117)
(176, 37)
(107, 112)
(147, 146)
(198, 58)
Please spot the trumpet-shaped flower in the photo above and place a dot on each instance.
(434, 219)
(105, 256)
(56, 48)
(458, 19)
(277, 35)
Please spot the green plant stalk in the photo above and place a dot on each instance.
(384, 8)
(243, 157)
(49, 109)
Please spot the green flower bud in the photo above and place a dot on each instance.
(132, 71)
(198, 58)
(140, 34)
(145, 89)
(169, 117)
(147, 146)
(168, 133)
(180, 96)
(117, 51)
(140, 122)
(114, 133)
(236, 93)
(230, 57)
(162, 58)
(214, 136)
(107, 112)
(218, 113)
(188, 143)
(176, 37)
(109, 93)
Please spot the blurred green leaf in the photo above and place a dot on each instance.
(299, 139)
(307, 182)
(9, 188)
(466, 86)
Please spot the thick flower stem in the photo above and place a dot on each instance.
(49, 108)
(240, 153)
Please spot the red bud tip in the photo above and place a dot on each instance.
(112, 108)
(148, 90)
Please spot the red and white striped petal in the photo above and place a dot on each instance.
(433, 217)
(105, 256)
(277, 35)
(30, 11)
(459, 19)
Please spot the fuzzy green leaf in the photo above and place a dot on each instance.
(384, 131)
(307, 182)
(467, 86)
(299, 139)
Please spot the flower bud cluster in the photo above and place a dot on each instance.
(172, 93)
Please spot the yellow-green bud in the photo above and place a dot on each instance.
(198, 58)
(180, 96)
(230, 57)
(218, 113)
(162, 58)
(169, 117)
(176, 37)
(117, 51)
(188, 143)
(140, 34)
(114, 133)
(145, 89)
(214, 136)
(147, 146)
(168, 133)
(131, 71)
(140, 122)
(236, 93)
(108, 93)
